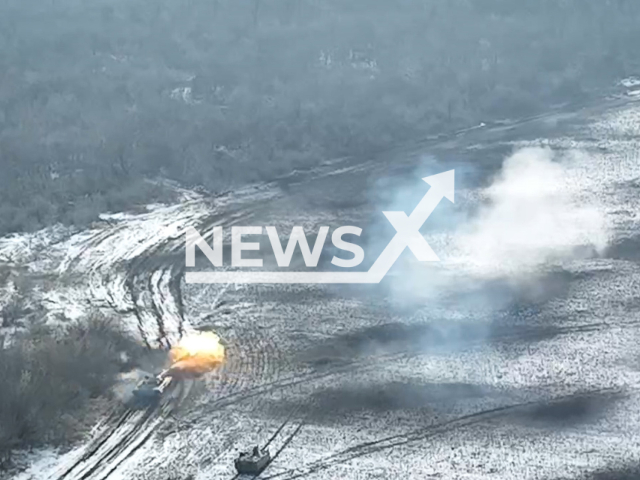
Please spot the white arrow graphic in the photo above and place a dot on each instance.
(407, 235)
(408, 228)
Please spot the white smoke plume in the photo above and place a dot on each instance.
(536, 213)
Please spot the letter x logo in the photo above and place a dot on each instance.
(407, 232)
(408, 227)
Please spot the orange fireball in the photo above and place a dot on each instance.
(196, 354)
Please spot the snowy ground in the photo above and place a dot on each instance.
(516, 357)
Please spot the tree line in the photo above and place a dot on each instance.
(98, 97)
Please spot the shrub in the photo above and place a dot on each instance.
(49, 377)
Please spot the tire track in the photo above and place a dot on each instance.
(281, 449)
(372, 362)
(106, 445)
(126, 435)
(392, 441)
(133, 444)
(99, 441)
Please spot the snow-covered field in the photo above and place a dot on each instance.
(516, 357)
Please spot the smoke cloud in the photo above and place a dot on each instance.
(534, 214)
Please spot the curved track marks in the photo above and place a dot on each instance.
(392, 441)
(126, 433)
(131, 265)
(238, 385)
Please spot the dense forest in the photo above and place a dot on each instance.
(98, 98)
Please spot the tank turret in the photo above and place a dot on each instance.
(149, 390)
(253, 462)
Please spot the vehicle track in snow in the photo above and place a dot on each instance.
(393, 441)
(228, 392)
(126, 430)
(131, 265)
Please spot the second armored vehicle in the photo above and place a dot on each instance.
(253, 462)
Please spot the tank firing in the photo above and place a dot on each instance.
(194, 355)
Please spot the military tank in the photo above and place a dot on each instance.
(253, 462)
(149, 390)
